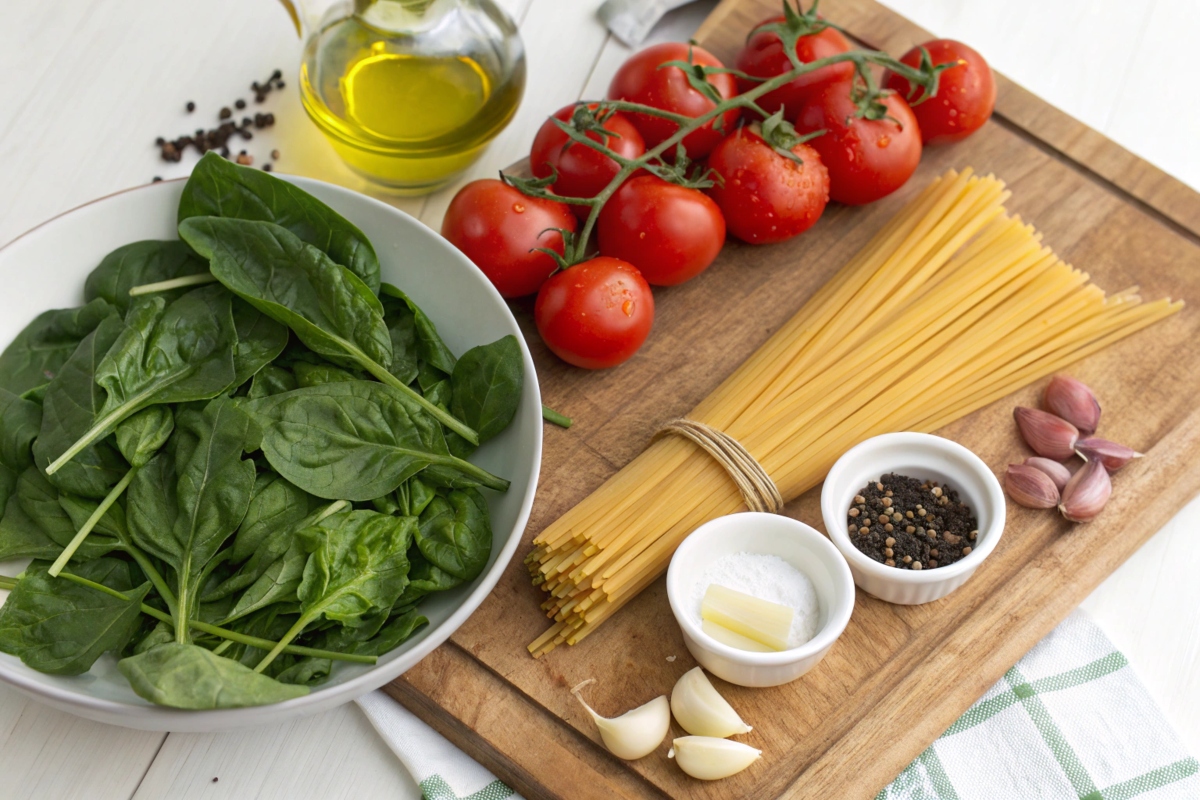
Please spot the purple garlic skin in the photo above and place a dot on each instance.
(1112, 455)
(1057, 472)
(1049, 436)
(1073, 401)
(1087, 493)
(1030, 487)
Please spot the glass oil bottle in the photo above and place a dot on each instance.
(409, 92)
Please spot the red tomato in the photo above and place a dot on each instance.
(767, 197)
(966, 92)
(867, 159)
(639, 80)
(595, 314)
(670, 233)
(582, 172)
(497, 227)
(764, 57)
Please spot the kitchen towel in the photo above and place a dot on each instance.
(1071, 720)
(631, 20)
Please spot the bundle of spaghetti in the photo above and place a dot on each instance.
(953, 305)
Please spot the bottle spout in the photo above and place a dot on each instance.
(306, 15)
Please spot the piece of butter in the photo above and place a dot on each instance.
(726, 636)
(759, 620)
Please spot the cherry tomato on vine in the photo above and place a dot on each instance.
(867, 158)
(670, 233)
(595, 314)
(639, 80)
(966, 91)
(497, 227)
(582, 171)
(765, 196)
(764, 57)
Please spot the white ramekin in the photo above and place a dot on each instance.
(926, 457)
(771, 534)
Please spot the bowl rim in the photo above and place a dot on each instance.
(839, 613)
(928, 442)
(164, 718)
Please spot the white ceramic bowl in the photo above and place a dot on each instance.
(46, 267)
(770, 534)
(926, 457)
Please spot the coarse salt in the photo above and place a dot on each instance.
(766, 577)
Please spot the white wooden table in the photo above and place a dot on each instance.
(88, 84)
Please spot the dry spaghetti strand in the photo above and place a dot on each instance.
(997, 311)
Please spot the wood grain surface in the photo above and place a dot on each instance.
(899, 675)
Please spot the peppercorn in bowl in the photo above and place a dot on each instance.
(913, 514)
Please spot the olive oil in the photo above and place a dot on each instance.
(401, 108)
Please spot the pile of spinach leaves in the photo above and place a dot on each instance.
(251, 466)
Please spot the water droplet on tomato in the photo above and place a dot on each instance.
(517, 207)
(627, 307)
(884, 141)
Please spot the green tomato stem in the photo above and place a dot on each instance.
(213, 630)
(91, 523)
(174, 283)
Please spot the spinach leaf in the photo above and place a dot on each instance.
(277, 583)
(20, 421)
(260, 340)
(35, 357)
(487, 386)
(354, 441)
(140, 263)
(41, 502)
(328, 307)
(317, 374)
(275, 504)
(21, 537)
(61, 628)
(368, 641)
(423, 579)
(144, 434)
(188, 676)
(167, 353)
(402, 329)
(455, 533)
(429, 345)
(357, 565)
(220, 188)
(183, 506)
(272, 380)
(72, 403)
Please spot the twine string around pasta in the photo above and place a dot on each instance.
(756, 486)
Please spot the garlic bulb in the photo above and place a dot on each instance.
(710, 759)
(635, 733)
(700, 709)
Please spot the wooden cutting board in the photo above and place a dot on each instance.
(899, 676)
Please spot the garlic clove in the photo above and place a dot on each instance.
(710, 759)
(1057, 472)
(1086, 494)
(701, 710)
(1048, 435)
(1073, 401)
(1030, 487)
(1112, 455)
(635, 734)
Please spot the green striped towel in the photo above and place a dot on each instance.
(1070, 720)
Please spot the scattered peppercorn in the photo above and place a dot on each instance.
(245, 160)
(938, 541)
(239, 104)
(275, 154)
(217, 139)
(190, 106)
(225, 113)
(266, 167)
(156, 179)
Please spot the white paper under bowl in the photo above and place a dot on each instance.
(45, 268)
(766, 534)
